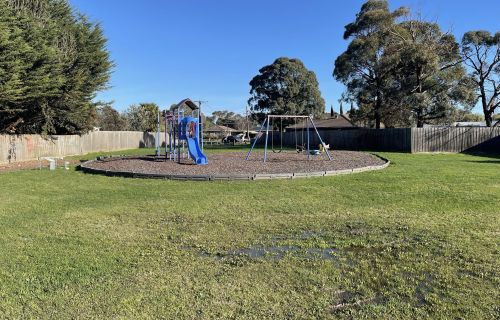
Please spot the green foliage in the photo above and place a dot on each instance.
(142, 117)
(468, 116)
(481, 53)
(228, 119)
(285, 87)
(53, 62)
(429, 79)
(364, 67)
(108, 119)
(402, 73)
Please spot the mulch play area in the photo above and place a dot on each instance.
(232, 166)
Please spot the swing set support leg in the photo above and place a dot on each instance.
(255, 141)
(267, 135)
(321, 140)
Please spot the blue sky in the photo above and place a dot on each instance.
(165, 50)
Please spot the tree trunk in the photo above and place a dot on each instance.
(420, 123)
(420, 110)
(378, 107)
(488, 118)
(487, 113)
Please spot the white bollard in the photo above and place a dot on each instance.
(52, 164)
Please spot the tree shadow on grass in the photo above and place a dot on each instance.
(489, 148)
(485, 161)
(493, 158)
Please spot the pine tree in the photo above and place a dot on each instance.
(53, 63)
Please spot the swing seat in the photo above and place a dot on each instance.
(315, 152)
(277, 151)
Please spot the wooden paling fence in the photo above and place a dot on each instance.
(31, 146)
(459, 139)
(451, 139)
(445, 139)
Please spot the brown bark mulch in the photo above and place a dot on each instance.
(233, 163)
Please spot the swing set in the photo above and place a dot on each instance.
(307, 123)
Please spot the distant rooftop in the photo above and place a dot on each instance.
(338, 121)
(218, 128)
(469, 124)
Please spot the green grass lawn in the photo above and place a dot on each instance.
(417, 240)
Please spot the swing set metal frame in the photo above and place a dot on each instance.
(266, 123)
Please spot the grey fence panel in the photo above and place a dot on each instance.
(445, 139)
(452, 139)
(29, 147)
(358, 139)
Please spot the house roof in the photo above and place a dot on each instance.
(469, 124)
(340, 121)
(218, 128)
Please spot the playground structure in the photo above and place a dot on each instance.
(182, 136)
(305, 146)
(183, 133)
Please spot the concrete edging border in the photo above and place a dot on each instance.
(236, 177)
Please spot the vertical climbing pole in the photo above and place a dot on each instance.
(157, 142)
(174, 140)
(267, 135)
(308, 149)
(178, 135)
(167, 138)
(200, 128)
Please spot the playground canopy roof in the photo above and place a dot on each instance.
(187, 102)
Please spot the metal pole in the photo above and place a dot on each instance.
(308, 151)
(166, 134)
(158, 145)
(178, 136)
(170, 137)
(267, 135)
(320, 140)
(200, 132)
(248, 124)
(255, 141)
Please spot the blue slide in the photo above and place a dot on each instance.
(190, 134)
(195, 151)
